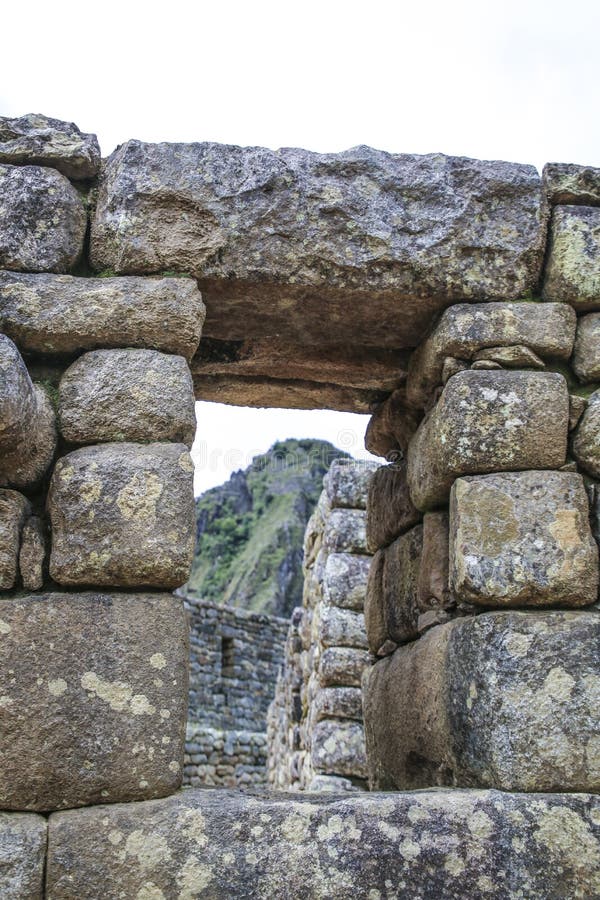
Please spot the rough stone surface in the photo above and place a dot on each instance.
(345, 531)
(391, 427)
(338, 748)
(586, 355)
(508, 699)
(23, 839)
(433, 589)
(466, 329)
(229, 846)
(42, 220)
(522, 539)
(342, 666)
(337, 703)
(341, 628)
(347, 483)
(14, 509)
(127, 395)
(32, 556)
(502, 421)
(586, 438)
(27, 422)
(516, 356)
(345, 580)
(40, 141)
(94, 698)
(271, 372)
(343, 229)
(56, 314)
(390, 511)
(375, 624)
(573, 267)
(123, 515)
(569, 184)
(402, 562)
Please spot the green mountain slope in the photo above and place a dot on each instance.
(251, 529)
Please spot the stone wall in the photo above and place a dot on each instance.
(315, 727)
(234, 659)
(320, 272)
(482, 601)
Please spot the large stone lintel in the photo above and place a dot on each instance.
(407, 846)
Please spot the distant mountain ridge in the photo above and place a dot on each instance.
(251, 529)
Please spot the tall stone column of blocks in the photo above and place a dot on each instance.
(482, 603)
(315, 728)
(96, 501)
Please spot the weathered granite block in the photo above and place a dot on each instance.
(391, 427)
(40, 141)
(42, 220)
(390, 511)
(565, 183)
(127, 395)
(229, 846)
(341, 627)
(573, 267)
(342, 666)
(345, 580)
(54, 314)
(122, 515)
(14, 510)
(94, 698)
(433, 589)
(522, 539)
(399, 585)
(465, 329)
(23, 840)
(375, 624)
(27, 422)
(347, 231)
(508, 699)
(32, 556)
(337, 703)
(338, 748)
(586, 355)
(345, 531)
(586, 438)
(347, 482)
(488, 421)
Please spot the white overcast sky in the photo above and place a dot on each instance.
(504, 80)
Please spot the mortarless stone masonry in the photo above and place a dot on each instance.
(315, 731)
(320, 274)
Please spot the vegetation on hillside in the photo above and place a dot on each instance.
(251, 529)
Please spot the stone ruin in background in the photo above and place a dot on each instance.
(459, 301)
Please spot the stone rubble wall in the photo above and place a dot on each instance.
(481, 599)
(218, 758)
(482, 602)
(226, 736)
(315, 728)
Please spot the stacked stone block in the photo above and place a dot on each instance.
(315, 729)
(484, 613)
(96, 499)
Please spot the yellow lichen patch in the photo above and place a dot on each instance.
(5, 628)
(480, 825)
(454, 865)
(185, 462)
(117, 694)
(294, 828)
(409, 849)
(571, 843)
(149, 891)
(150, 850)
(157, 661)
(192, 879)
(90, 491)
(115, 836)
(57, 687)
(193, 824)
(559, 684)
(517, 645)
(138, 499)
